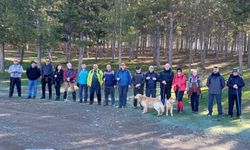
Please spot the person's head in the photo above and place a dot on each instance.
(47, 61)
(69, 65)
(138, 69)
(194, 72)
(95, 66)
(151, 68)
(16, 61)
(59, 67)
(167, 66)
(216, 70)
(108, 67)
(83, 66)
(235, 72)
(123, 66)
(33, 64)
(179, 71)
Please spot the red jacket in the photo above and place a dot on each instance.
(70, 74)
(179, 82)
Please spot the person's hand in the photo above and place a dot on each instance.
(179, 85)
(117, 79)
(68, 79)
(164, 82)
(154, 78)
(129, 86)
(55, 76)
(104, 79)
(148, 78)
(235, 86)
(115, 86)
(137, 85)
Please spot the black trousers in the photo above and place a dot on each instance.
(232, 98)
(15, 82)
(165, 91)
(95, 89)
(46, 81)
(58, 87)
(195, 102)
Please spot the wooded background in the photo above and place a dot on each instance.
(118, 29)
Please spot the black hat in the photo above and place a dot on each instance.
(33, 62)
(137, 67)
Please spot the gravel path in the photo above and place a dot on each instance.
(57, 125)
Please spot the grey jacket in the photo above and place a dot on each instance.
(15, 70)
(215, 83)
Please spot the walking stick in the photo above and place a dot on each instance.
(238, 102)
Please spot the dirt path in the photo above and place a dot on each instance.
(57, 125)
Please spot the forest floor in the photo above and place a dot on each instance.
(58, 125)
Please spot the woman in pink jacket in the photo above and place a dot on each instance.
(179, 85)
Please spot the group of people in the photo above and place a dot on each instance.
(91, 82)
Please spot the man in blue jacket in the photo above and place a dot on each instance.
(109, 85)
(15, 71)
(82, 82)
(215, 84)
(123, 77)
(235, 84)
(47, 77)
(151, 80)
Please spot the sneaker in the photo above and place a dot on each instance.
(118, 106)
(85, 101)
(43, 97)
(34, 97)
(57, 98)
(80, 101)
(209, 115)
(230, 116)
(29, 97)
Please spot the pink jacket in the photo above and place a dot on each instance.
(179, 82)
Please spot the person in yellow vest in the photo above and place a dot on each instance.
(95, 81)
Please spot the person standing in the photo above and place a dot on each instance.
(235, 84)
(69, 81)
(109, 85)
(179, 85)
(138, 81)
(58, 80)
(82, 83)
(151, 80)
(215, 84)
(15, 71)
(166, 79)
(95, 81)
(47, 77)
(123, 77)
(32, 73)
(194, 90)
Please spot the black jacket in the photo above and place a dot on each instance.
(33, 73)
(168, 76)
(235, 80)
(138, 78)
(58, 76)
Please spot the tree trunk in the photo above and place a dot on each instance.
(170, 39)
(21, 54)
(241, 46)
(120, 32)
(38, 39)
(81, 51)
(158, 38)
(49, 52)
(2, 57)
(248, 49)
(68, 48)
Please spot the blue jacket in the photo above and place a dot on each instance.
(82, 76)
(125, 77)
(151, 84)
(215, 83)
(235, 80)
(109, 78)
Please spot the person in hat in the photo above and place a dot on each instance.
(138, 81)
(95, 81)
(166, 79)
(15, 71)
(33, 73)
(194, 90)
(69, 81)
(215, 84)
(123, 77)
(179, 86)
(47, 77)
(151, 80)
(235, 84)
(58, 80)
(109, 85)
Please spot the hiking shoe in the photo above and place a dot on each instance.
(29, 97)
(209, 115)
(43, 97)
(34, 97)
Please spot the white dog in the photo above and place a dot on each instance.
(169, 106)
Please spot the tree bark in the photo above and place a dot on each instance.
(2, 57)
(120, 32)
(248, 49)
(171, 36)
(241, 46)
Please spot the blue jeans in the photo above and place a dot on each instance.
(109, 91)
(123, 92)
(211, 101)
(83, 88)
(151, 92)
(32, 86)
